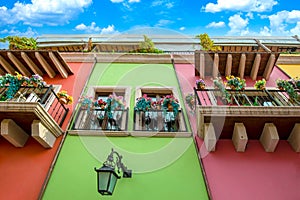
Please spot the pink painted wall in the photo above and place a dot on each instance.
(23, 170)
(253, 174)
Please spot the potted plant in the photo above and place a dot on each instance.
(235, 83)
(219, 85)
(260, 84)
(12, 83)
(200, 84)
(86, 102)
(288, 87)
(37, 81)
(100, 103)
(144, 103)
(170, 107)
(190, 101)
(64, 98)
(296, 82)
(170, 103)
(280, 84)
(113, 103)
(25, 81)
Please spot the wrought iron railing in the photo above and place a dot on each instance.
(98, 119)
(248, 97)
(46, 96)
(159, 121)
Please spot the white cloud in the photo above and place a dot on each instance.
(296, 29)
(250, 15)
(88, 29)
(157, 3)
(164, 22)
(125, 2)
(238, 25)
(240, 5)
(165, 3)
(170, 5)
(280, 21)
(27, 33)
(182, 28)
(81, 27)
(37, 13)
(109, 30)
(216, 25)
(93, 28)
(5, 31)
(265, 31)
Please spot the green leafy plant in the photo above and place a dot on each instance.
(68, 99)
(289, 88)
(86, 102)
(219, 85)
(260, 84)
(207, 43)
(170, 103)
(146, 46)
(20, 43)
(296, 82)
(37, 81)
(200, 83)
(235, 83)
(190, 101)
(144, 103)
(114, 102)
(280, 84)
(14, 82)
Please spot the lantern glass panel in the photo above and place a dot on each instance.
(112, 182)
(103, 180)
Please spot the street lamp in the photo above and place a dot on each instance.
(107, 176)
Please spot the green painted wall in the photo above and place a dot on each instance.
(163, 168)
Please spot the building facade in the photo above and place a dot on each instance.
(205, 150)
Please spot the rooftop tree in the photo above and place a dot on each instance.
(207, 43)
(20, 43)
(147, 46)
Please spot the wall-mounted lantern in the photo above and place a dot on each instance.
(107, 176)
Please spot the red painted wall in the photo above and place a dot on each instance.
(23, 170)
(254, 174)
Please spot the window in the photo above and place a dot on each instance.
(158, 118)
(112, 117)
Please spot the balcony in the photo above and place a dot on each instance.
(159, 123)
(265, 115)
(34, 112)
(95, 121)
(156, 123)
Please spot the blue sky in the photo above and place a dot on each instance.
(191, 17)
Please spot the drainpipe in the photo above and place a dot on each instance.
(42, 191)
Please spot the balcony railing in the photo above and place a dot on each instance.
(97, 119)
(248, 97)
(46, 96)
(159, 121)
(265, 115)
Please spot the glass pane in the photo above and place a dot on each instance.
(112, 184)
(103, 180)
